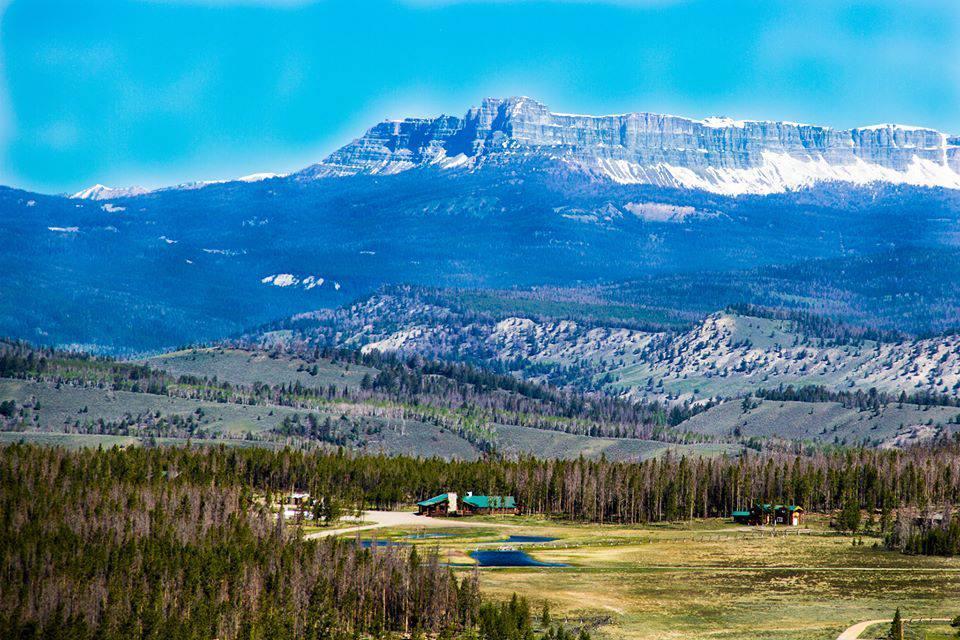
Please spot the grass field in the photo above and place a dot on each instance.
(913, 631)
(556, 444)
(244, 367)
(60, 408)
(67, 440)
(81, 440)
(710, 579)
(373, 428)
(824, 421)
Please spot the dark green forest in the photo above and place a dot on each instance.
(180, 544)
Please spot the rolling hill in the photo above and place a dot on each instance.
(255, 398)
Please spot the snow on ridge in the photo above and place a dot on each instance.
(779, 172)
(258, 177)
(715, 122)
(103, 192)
(64, 229)
(284, 280)
(902, 127)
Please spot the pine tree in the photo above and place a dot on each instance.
(896, 627)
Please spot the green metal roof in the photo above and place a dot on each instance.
(434, 500)
(491, 502)
(741, 514)
(769, 508)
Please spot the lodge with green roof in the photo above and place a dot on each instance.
(448, 504)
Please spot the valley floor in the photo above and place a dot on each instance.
(705, 579)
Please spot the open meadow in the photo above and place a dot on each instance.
(704, 579)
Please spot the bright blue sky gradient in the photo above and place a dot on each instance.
(157, 92)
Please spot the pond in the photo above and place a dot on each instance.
(509, 558)
(429, 536)
(367, 544)
(529, 539)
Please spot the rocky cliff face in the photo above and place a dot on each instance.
(715, 154)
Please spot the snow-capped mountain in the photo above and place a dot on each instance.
(717, 154)
(103, 192)
(720, 155)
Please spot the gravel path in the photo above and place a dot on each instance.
(854, 632)
(380, 519)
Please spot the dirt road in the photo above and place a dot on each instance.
(380, 519)
(854, 632)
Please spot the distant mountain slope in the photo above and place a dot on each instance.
(509, 196)
(255, 398)
(721, 155)
(727, 354)
(827, 422)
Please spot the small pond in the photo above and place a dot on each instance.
(529, 539)
(510, 558)
(367, 544)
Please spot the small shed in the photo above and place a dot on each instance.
(741, 517)
(788, 515)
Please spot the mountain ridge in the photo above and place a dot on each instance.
(727, 353)
(716, 154)
(719, 155)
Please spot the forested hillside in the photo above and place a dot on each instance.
(140, 544)
(324, 398)
(727, 354)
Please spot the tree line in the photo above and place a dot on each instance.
(669, 488)
(458, 397)
(870, 400)
(182, 544)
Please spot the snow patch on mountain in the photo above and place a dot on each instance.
(658, 212)
(284, 280)
(778, 173)
(103, 192)
(717, 154)
(259, 177)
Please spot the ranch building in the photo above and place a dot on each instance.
(449, 504)
(770, 514)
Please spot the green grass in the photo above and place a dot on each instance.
(913, 631)
(710, 579)
(67, 440)
(244, 367)
(61, 408)
(822, 421)
(558, 444)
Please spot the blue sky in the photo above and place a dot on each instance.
(157, 92)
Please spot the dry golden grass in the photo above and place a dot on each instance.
(710, 579)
